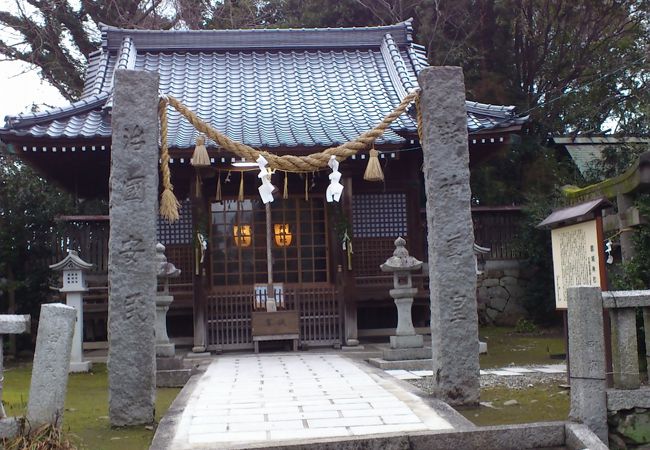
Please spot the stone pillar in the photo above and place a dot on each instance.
(131, 254)
(625, 359)
(587, 362)
(452, 273)
(51, 363)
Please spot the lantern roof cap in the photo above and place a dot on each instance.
(401, 261)
(72, 261)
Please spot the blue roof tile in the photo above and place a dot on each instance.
(266, 88)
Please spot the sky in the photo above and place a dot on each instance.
(21, 87)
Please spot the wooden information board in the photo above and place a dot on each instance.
(576, 258)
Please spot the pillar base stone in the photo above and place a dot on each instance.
(80, 367)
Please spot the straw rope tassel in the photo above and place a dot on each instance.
(168, 202)
(285, 194)
(218, 195)
(200, 156)
(373, 169)
(240, 197)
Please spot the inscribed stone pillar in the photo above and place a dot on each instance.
(132, 267)
(587, 362)
(452, 273)
(51, 363)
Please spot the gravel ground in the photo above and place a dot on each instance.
(524, 381)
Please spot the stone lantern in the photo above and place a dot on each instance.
(406, 344)
(74, 285)
(166, 270)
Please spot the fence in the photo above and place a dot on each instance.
(229, 315)
(591, 400)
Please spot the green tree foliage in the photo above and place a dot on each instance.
(28, 206)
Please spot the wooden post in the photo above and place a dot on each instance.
(270, 294)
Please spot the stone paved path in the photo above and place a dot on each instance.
(248, 399)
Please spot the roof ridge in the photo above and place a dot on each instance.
(396, 66)
(80, 106)
(268, 38)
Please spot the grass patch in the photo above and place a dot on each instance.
(541, 403)
(86, 408)
(506, 347)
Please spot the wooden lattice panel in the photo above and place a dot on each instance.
(179, 232)
(379, 215)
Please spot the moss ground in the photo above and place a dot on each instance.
(86, 413)
(541, 402)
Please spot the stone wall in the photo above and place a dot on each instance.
(629, 428)
(500, 292)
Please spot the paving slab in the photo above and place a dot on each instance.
(244, 401)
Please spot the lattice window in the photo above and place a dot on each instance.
(379, 215)
(179, 232)
(238, 241)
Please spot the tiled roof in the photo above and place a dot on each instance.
(587, 150)
(267, 88)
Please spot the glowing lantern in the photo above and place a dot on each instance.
(282, 235)
(242, 235)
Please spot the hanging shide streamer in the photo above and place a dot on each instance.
(285, 194)
(200, 156)
(240, 197)
(218, 194)
(373, 169)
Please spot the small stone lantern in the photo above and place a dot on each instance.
(74, 285)
(402, 266)
(166, 270)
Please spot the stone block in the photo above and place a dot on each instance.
(165, 350)
(80, 366)
(51, 364)
(579, 436)
(618, 399)
(132, 262)
(589, 405)
(624, 348)
(413, 341)
(490, 282)
(9, 427)
(482, 347)
(514, 272)
(169, 363)
(452, 268)
(401, 354)
(586, 339)
(413, 364)
(14, 323)
(172, 378)
(508, 281)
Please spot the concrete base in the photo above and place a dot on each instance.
(356, 348)
(399, 354)
(80, 367)
(165, 350)
(413, 341)
(482, 347)
(198, 349)
(9, 427)
(352, 342)
(172, 378)
(413, 364)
